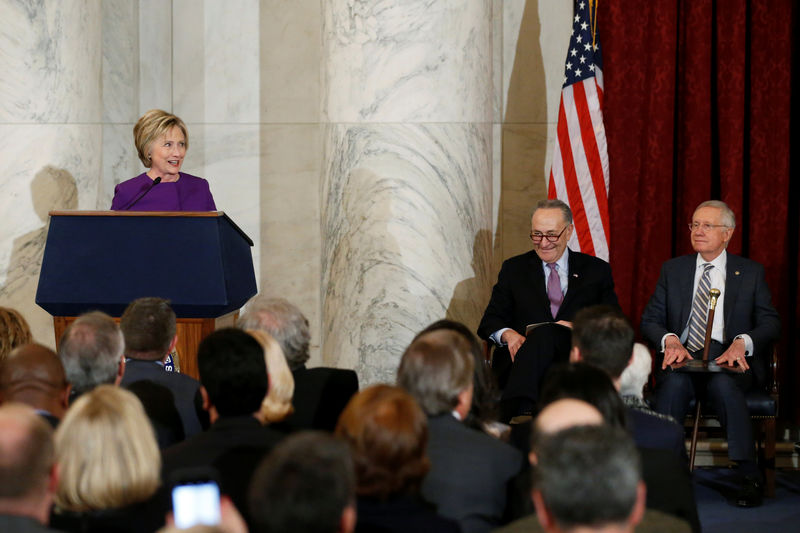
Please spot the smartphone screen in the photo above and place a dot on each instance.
(195, 503)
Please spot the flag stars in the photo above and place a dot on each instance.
(584, 26)
(587, 47)
(578, 73)
(579, 38)
(569, 66)
(591, 67)
(596, 46)
(583, 60)
(573, 52)
(577, 18)
(582, 5)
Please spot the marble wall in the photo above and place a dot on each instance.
(383, 156)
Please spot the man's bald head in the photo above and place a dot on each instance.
(560, 415)
(34, 375)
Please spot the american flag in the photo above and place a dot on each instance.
(579, 175)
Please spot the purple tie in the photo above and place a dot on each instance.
(554, 289)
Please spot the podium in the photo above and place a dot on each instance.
(102, 260)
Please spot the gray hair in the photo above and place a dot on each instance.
(555, 203)
(284, 321)
(635, 375)
(91, 350)
(588, 475)
(728, 217)
(435, 368)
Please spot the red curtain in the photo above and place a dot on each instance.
(697, 107)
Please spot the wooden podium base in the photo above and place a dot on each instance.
(190, 332)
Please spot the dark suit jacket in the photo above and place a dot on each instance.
(519, 297)
(320, 395)
(400, 514)
(22, 524)
(234, 446)
(651, 430)
(747, 307)
(470, 474)
(652, 522)
(156, 388)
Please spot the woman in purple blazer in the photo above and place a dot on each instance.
(161, 141)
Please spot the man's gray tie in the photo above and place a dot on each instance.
(699, 319)
(554, 289)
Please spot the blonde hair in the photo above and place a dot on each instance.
(14, 331)
(152, 125)
(277, 404)
(106, 451)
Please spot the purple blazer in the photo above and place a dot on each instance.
(189, 193)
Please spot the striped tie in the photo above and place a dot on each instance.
(699, 319)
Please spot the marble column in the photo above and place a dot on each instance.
(50, 135)
(406, 191)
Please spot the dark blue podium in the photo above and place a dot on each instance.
(102, 260)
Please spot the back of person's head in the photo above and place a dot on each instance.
(148, 325)
(304, 485)
(233, 372)
(284, 321)
(14, 331)
(604, 338)
(435, 368)
(583, 381)
(277, 404)
(26, 458)
(636, 374)
(484, 402)
(106, 451)
(91, 350)
(590, 477)
(34, 375)
(388, 434)
(560, 415)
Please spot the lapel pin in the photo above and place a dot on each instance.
(737, 272)
(575, 275)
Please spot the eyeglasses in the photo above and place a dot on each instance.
(537, 236)
(694, 226)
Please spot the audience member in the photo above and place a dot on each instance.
(666, 474)
(320, 393)
(470, 471)
(387, 433)
(603, 338)
(28, 474)
(33, 374)
(14, 331)
(483, 413)
(306, 485)
(92, 351)
(109, 466)
(566, 413)
(277, 404)
(636, 374)
(588, 478)
(234, 382)
(171, 400)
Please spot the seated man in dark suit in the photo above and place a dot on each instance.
(745, 325)
(603, 338)
(172, 400)
(546, 285)
(470, 471)
(28, 475)
(320, 393)
(306, 484)
(234, 382)
(33, 374)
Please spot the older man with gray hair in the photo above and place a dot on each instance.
(321, 393)
(92, 351)
(470, 471)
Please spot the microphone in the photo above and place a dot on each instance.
(150, 188)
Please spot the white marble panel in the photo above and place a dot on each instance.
(556, 29)
(155, 55)
(290, 50)
(512, 21)
(216, 62)
(45, 167)
(406, 217)
(120, 162)
(410, 61)
(290, 220)
(498, 97)
(227, 155)
(50, 61)
(120, 62)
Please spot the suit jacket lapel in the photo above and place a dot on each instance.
(575, 279)
(537, 282)
(686, 289)
(733, 280)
